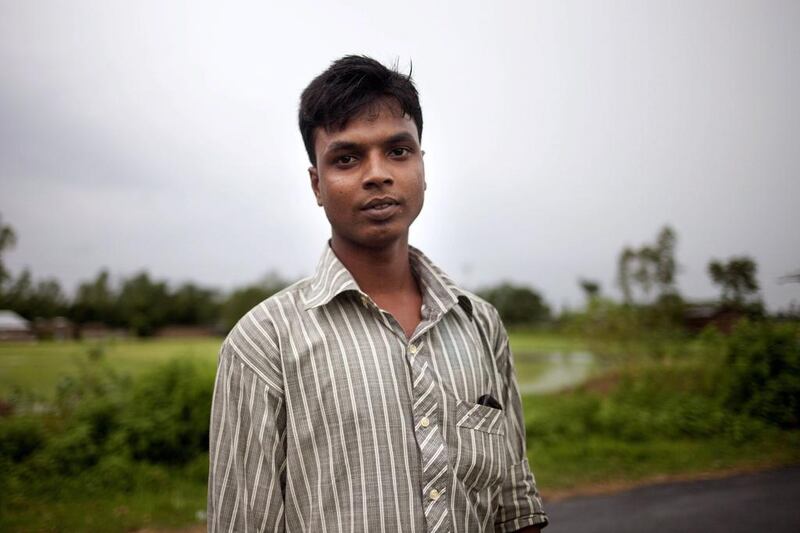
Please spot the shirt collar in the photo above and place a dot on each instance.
(331, 278)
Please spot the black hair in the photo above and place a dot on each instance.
(351, 84)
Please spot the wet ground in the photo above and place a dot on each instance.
(747, 503)
(544, 373)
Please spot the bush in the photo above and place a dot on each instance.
(567, 417)
(72, 451)
(19, 438)
(104, 428)
(167, 417)
(763, 373)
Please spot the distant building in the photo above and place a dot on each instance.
(183, 332)
(698, 316)
(15, 328)
(99, 331)
(57, 328)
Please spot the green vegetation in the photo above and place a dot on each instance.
(139, 305)
(725, 403)
(35, 371)
(113, 452)
(517, 304)
(113, 436)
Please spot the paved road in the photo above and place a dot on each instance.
(764, 502)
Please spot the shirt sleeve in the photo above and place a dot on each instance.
(247, 454)
(520, 504)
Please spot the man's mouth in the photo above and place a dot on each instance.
(381, 209)
(379, 204)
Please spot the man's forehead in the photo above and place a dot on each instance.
(385, 107)
(368, 114)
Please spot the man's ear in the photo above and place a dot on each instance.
(313, 174)
(424, 181)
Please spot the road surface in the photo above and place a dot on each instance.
(763, 502)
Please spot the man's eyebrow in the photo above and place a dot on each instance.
(402, 137)
(336, 146)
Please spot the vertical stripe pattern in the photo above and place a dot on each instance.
(327, 418)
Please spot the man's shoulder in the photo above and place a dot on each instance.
(486, 316)
(265, 310)
(480, 307)
(257, 332)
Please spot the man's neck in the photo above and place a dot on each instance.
(378, 271)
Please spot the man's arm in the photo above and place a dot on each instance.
(246, 444)
(520, 505)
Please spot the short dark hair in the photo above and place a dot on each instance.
(350, 85)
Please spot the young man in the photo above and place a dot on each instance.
(375, 395)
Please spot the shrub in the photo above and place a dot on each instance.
(763, 373)
(167, 417)
(19, 438)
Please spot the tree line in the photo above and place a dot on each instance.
(140, 303)
(646, 275)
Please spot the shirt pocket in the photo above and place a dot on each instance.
(481, 458)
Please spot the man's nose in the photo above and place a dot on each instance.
(377, 173)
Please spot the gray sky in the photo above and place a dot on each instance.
(162, 135)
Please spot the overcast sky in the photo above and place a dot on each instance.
(162, 135)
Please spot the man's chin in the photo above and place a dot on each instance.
(378, 240)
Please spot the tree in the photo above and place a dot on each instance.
(664, 257)
(517, 304)
(590, 288)
(143, 304)
(48, 299)
(646, 269)
(626, 258)
(44, 299)
(8, 239)
(240, 301)
(193, 305)
(649, 267)
(95, 301)
(736, 278)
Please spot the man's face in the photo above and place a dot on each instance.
(370, 177)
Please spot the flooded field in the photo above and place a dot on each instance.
(547, 372)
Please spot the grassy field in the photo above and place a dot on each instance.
(596, 436)
(37, 367)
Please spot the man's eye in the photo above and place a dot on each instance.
(345, 160)
(399, 152)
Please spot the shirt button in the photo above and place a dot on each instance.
(434, 494)
(412, 349)
(365, 300)
(424, 422)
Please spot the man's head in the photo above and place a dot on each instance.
(361, 124)
(349, 86)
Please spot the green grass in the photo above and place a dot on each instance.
(525, 341)
(572, 438)
(162, 498)
(600, 460)
(37, 367)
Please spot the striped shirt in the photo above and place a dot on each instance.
(326, 417)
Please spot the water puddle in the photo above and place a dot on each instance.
(543, 373)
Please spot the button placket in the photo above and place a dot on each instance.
(433, 449)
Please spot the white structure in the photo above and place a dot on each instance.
(14, 328)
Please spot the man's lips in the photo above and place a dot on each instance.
(380, 203)
(381, 208)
